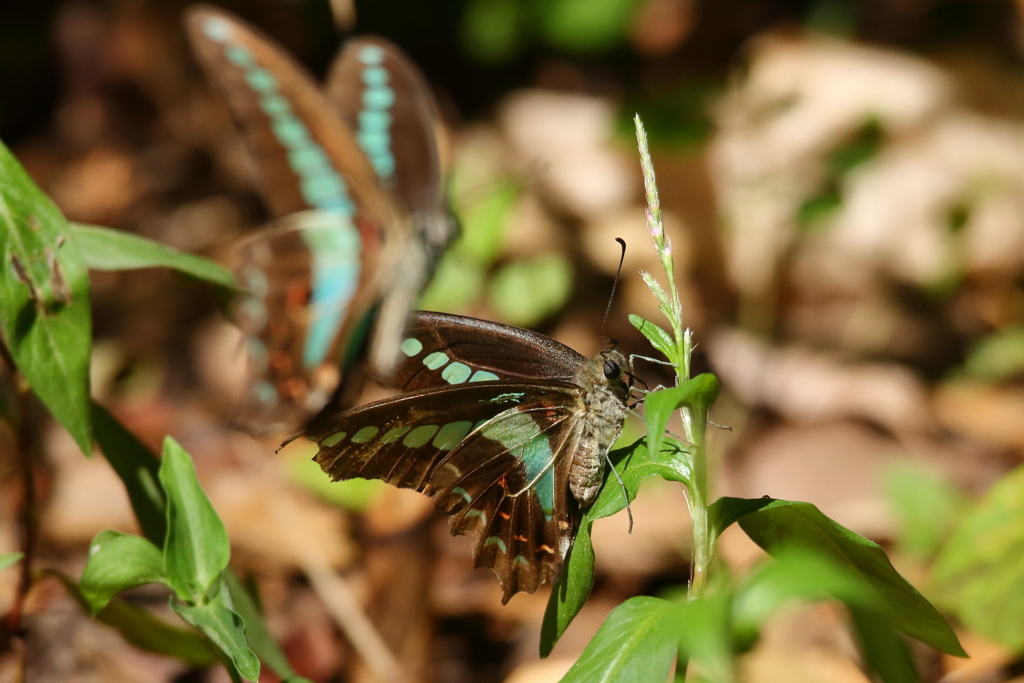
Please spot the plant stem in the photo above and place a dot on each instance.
(693, 418)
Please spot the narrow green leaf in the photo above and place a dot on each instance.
(979, 572)
(659, 338)
(145, 631)
(222, 625)
(197, 549)
(882, 648)
(117, 562)
(698, 394)
(926, 505)
(657, 291)
(483, 223)
(527, 290)
(256, 632)
(44, 300)
(725, 511)
(783, 525)
(637, 642)
(142, 629)
(108, 249)
(139, 470)
(634, 464)
(10, 559)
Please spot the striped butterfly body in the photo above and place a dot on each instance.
(507, 428)
(354, 176)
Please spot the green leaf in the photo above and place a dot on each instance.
(697, 394)
(197, 549)
(927, 508)
(979, 572)
(256, 632)
(636, 643)
(795, 574)
(44, 300)
(783, 525)
(882, 648)
(108, 249)
(492, 30)
(586, 26)
(146, 631)
(456, 286)
(659, 338)
(525, 291)
(483, 224)
(222, 625)
(634, 464)
(725, 511)
(703, 626)
(354, 495)
(998, 356)
(138, 469)
(117, 562)
(10, 559)
(664, 305)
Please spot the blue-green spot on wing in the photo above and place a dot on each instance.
(442, 350)
(495, 454)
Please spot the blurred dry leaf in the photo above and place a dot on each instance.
(813, 387)
(549, 670)
(988, 414)
(397, 510)
(568, 137)
(97, 187)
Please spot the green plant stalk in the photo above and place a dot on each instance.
(694, 425)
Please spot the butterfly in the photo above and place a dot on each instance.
(508, 429)
(355, 176)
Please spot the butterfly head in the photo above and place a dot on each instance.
(615, 371)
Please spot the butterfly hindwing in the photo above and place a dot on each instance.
(439, 349)
(500, 469)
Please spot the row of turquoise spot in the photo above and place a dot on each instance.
(332, 240)
(447, 437)
(374, 134)
(453, 373)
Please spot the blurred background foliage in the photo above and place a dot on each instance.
(843, 183)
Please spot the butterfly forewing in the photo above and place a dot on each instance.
(439, 349)
(307, 158)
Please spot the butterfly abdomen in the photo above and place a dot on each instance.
(600, 425)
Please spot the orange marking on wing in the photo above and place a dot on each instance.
(520, 538)
(504, 515)
(298, 294)
(546, 548)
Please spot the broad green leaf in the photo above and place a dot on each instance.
(196, 550)
(44, 300)
(796, 574)
(10, 559)
(725, 511)
(659, 338)
(979, 573)
(117, 562)
(456, 286)
(927, 508)
(998, 356)
(633, 464)
(256, 633)
(221, 624)
(636, 643)
(108, 249)
(527, 290)
(783, 525)
(698, 394)
(354, 495)
(138, 469)
(882, 648)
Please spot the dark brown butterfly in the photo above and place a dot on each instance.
(355, 175)
(501, 425)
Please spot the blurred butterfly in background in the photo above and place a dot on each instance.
(498, 423)
(354, 175)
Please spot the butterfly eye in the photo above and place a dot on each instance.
(611, 369)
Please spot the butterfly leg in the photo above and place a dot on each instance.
(650, 360)
(625, 493)
(715, 424)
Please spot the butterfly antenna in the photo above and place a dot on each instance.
(625, 494)
(615, 283)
